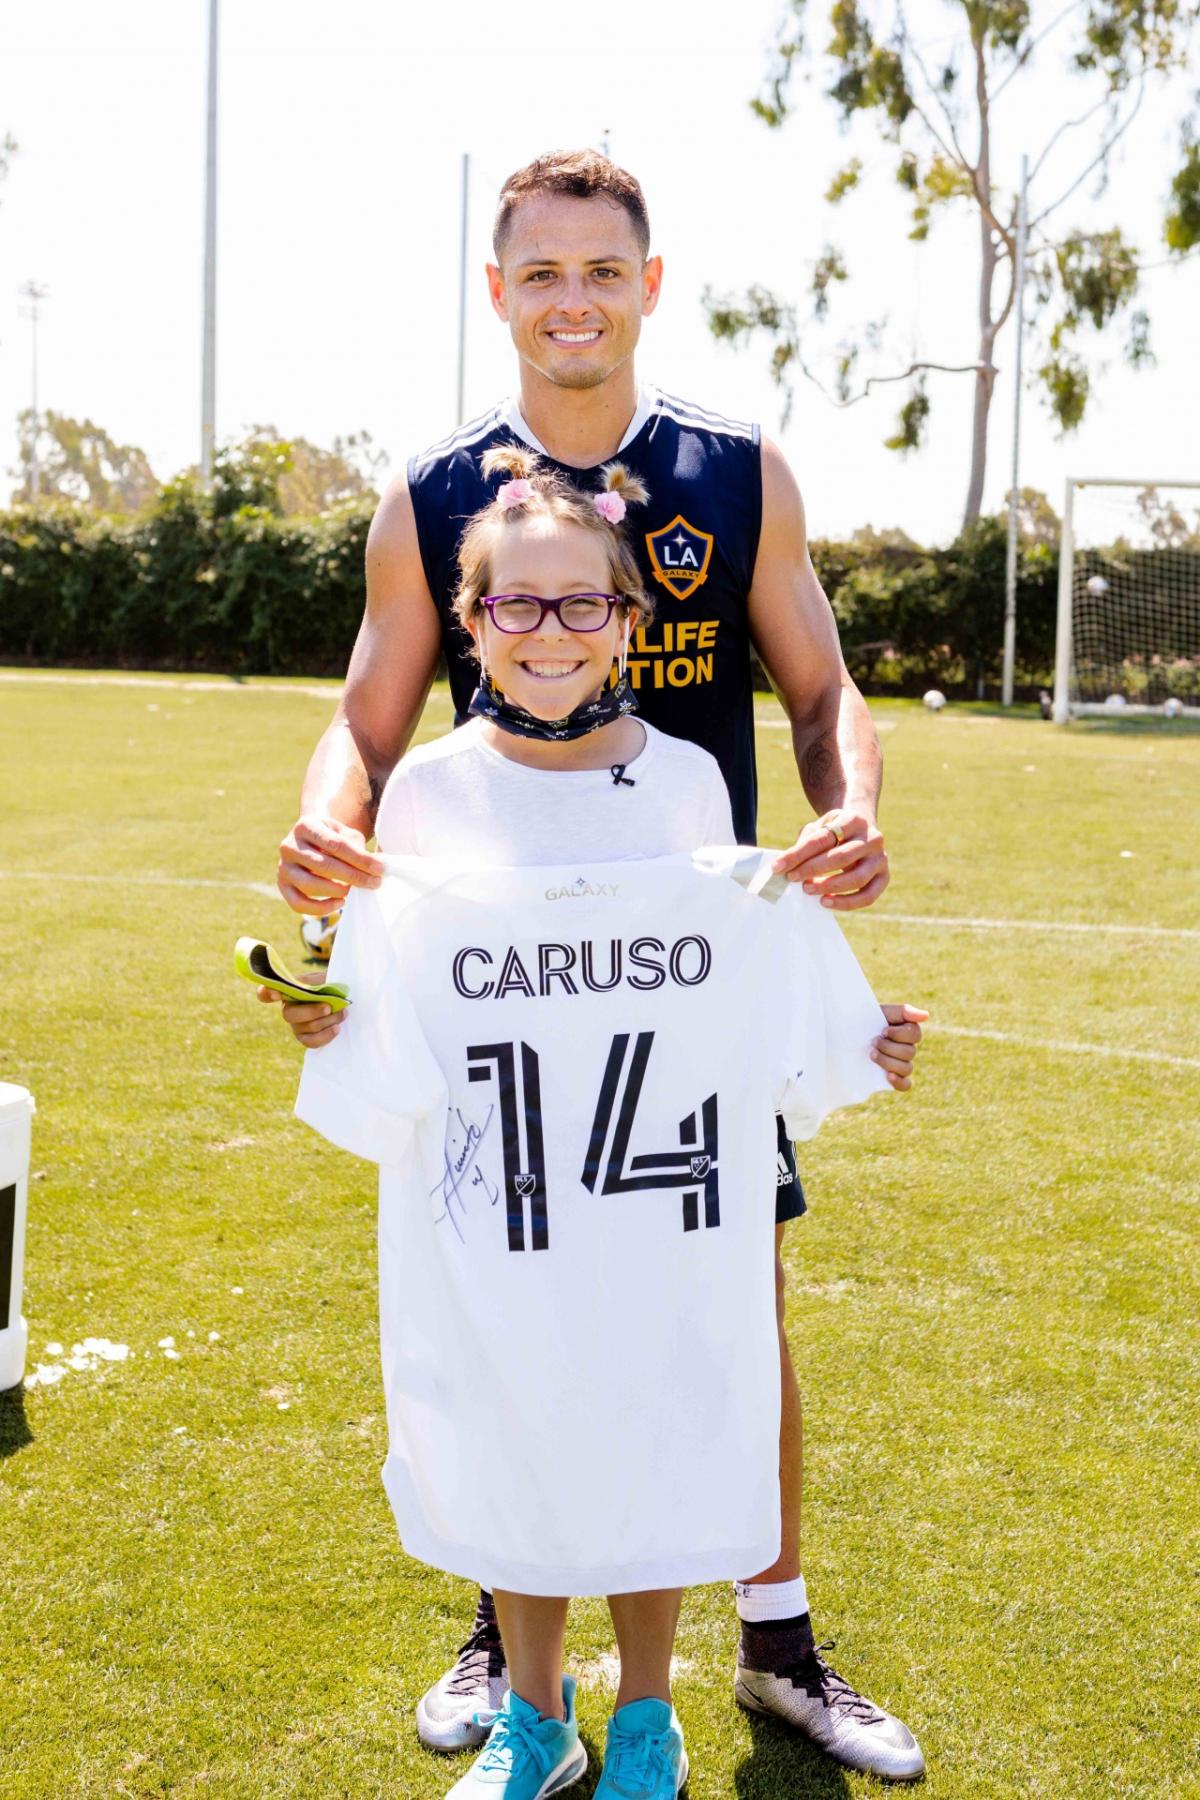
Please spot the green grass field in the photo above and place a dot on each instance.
(993, 1300)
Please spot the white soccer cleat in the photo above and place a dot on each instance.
(814, 1699)
(317, 935)
(477, 1683)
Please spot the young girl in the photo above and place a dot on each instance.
(556, 765)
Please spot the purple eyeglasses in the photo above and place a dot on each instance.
(525, 612)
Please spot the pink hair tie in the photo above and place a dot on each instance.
(610, 506)
(515, 493)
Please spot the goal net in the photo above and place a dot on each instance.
(1129, 600)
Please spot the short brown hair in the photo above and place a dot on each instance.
(552, 496)
(580, 173)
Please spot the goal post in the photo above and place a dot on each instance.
(1128, 630)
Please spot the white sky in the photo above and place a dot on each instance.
(341, 137)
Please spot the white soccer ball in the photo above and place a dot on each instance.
(1173, 708)
(1115, 702)
(934, 700)
(1097, 585)
(317, 935)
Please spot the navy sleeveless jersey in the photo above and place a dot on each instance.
(696, 543)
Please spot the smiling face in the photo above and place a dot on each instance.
(549, 671)
(573, 287)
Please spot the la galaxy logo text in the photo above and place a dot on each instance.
(580, 889)
(675, 652)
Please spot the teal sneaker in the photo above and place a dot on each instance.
(644, 1758)
(526, 1757)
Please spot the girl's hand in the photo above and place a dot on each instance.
(894, 1049)
(312, 1023)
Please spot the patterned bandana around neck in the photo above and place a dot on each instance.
(610, 704)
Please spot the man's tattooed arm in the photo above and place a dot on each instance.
(817, 762)
(840, 763)
(371, 767)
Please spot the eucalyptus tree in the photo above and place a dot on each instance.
(935, 101)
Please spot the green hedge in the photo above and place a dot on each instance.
(221, 582)
(185, 586)
(910, 616)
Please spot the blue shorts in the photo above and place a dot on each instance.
(789, 1194)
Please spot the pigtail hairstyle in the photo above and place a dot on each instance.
(617, 479)
(513, 460)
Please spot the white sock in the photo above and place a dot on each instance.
(758, 1602)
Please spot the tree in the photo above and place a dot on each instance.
(929, 99)
(319, 480)
(288, 477)
(293, 478)
(1167, 526)
(80, 462)
(1037, 521)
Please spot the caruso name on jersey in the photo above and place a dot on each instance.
(646, 962)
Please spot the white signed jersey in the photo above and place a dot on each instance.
(569, 1078)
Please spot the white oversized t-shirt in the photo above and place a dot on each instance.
(457, 796)
(568, 1073)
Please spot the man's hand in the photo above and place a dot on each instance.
(896, 1048)
(847, 875)
(313, 1023)
(320, 860)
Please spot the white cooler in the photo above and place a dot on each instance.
(16, 1113)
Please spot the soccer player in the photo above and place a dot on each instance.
(725, 548)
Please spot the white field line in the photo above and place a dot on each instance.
(227, 685)
(1062, 1048)
(925, 919)
(34, 678)
(131, 881)
(963, 1031)
(199, 685)
(1084, 925)
(765, 724)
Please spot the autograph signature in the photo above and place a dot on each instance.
(461, 1172)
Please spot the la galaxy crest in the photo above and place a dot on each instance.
(680, 555)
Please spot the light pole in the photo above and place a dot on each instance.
(1010, 568)
(35, 292)
(208, 396)
(462, 286)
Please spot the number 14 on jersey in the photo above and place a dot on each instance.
(692, 1168)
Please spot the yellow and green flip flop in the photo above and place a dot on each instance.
(262, 964)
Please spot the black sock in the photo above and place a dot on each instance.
(488, 1625)
(776, 1645)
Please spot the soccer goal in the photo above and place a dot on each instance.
(1128, 639)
